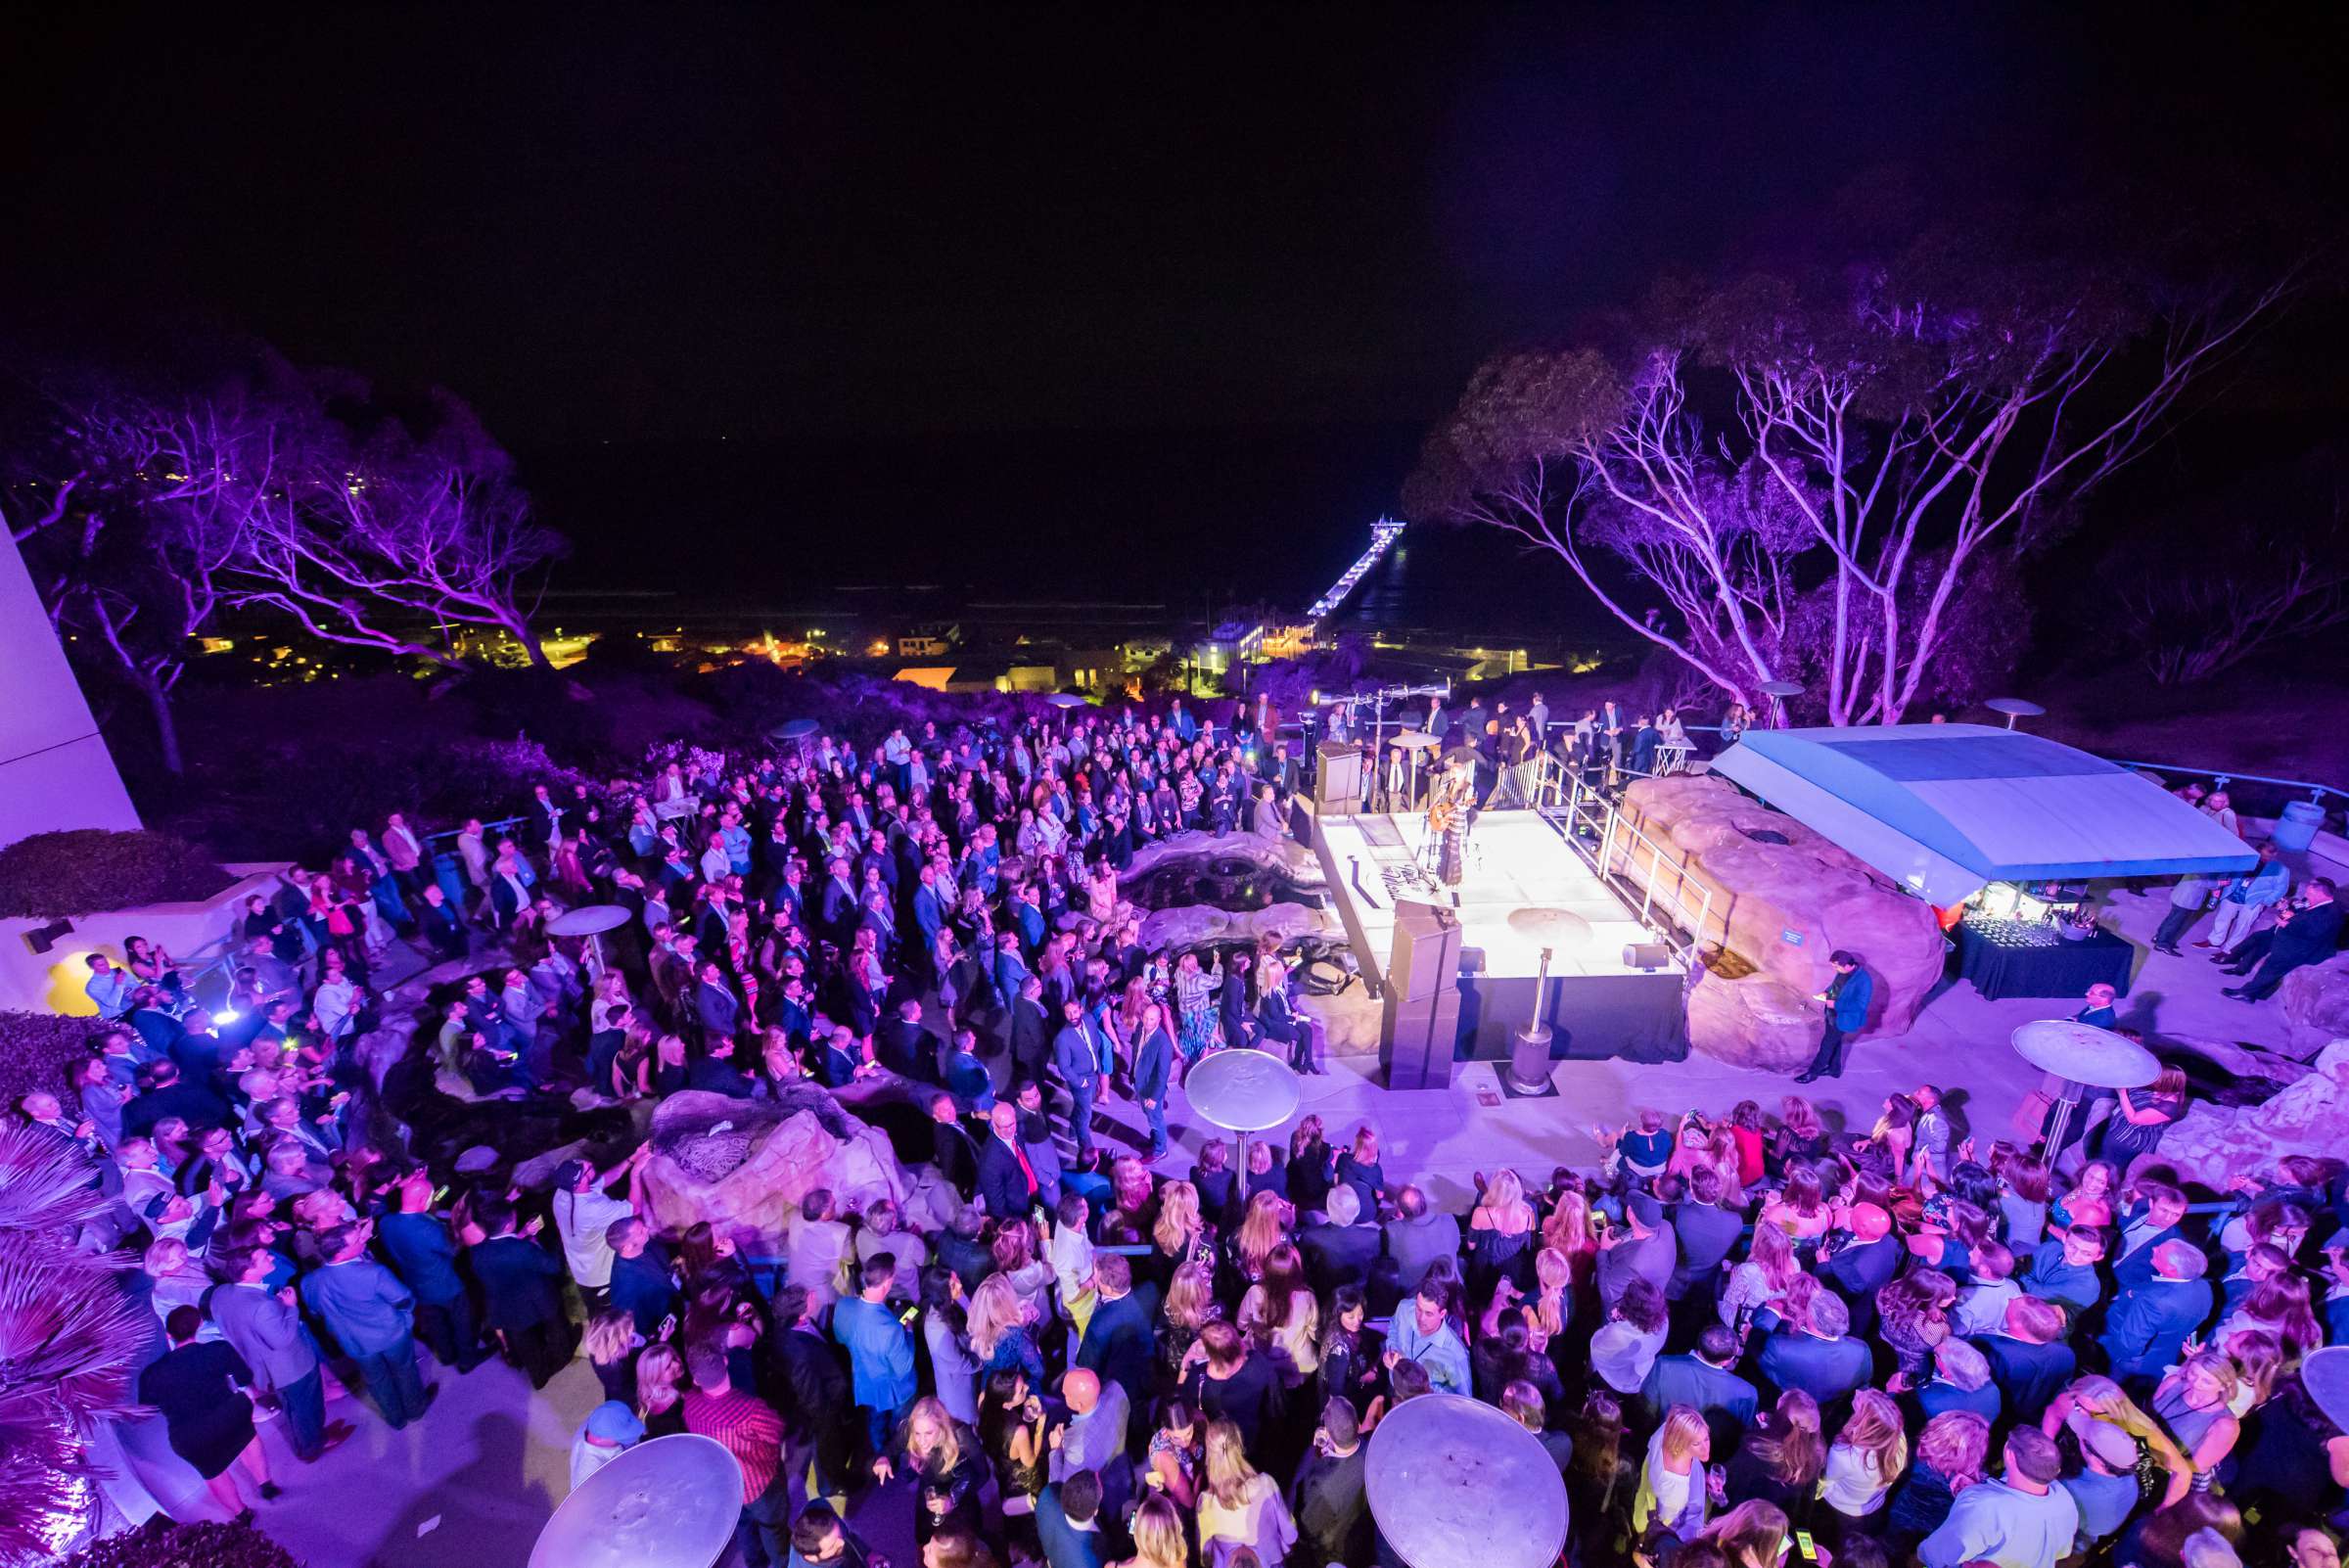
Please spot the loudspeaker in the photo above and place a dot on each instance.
(1338, 778)
(1645, 955)
(1421, 1022)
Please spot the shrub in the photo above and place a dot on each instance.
(36, 1049)
(161, 1543)
(87, 870)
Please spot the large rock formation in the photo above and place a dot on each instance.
(2316, 1005)
(745, 1165)
(1782, 899)
(2309, 1117)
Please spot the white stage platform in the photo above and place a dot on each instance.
(1515, 860)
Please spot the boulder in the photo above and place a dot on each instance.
(745, 1165)
(2316, 1005)
(1189, 925)
(1782, 899)
(2309, 1117)
(1283, 922)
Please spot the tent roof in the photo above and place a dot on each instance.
(1945, 808)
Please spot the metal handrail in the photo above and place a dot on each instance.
(2221, 779)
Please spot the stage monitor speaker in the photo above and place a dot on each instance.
(1645, 955)
(40, 939)
(1338, 778)
(1421, 1026)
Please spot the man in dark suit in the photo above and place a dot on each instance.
(806, 1382)
(1867, 1256)
(840, 910)
(521, 1285)
(443, 929)
(1704, 1383)
(713, 1003)
(2146, 1327)
(953, 1149)
(1153, 1077)
(168, 1095)
(642, 1283)
(1340, 1248)
(423, 1254)
(2146, 1227)
(1007, 1185)
(2028, 1358)
(714, 1070)
(265, 1327)
(1030, 1032)
(1119, 1339)
(1068, 1524)
(1818, 1358)
(1706, 1231)
(903, 1046)
(2308, 931)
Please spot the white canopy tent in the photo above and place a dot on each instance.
(1945, 810)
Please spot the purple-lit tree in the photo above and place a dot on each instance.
(145, 505)
(1897, 432)
(381, 542)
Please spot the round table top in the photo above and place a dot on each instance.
(670, 1502)
(2325, 1376)
(2086, 1054)
(1551, 928)
(588, 919)
(1782, 688)
(1242, 1090)
(1067, 698)
(1453, 1481)
(1414, 739)
(796, 729)
(2020, 707)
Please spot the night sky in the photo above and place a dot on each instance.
(679, 222)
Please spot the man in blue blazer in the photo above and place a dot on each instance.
(2147, 1326)
(1077, 1053)
(1818, 1358)
(1704, 1383)
(1847, 999)
(1068, 1523)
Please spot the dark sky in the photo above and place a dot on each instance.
(691, 219)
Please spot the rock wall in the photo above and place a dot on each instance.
(2316, 1005)
(1778, 911)
(2309, 1117)
(745, 1165)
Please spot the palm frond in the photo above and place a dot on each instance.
(48, 1186)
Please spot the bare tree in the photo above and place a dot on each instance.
(378, 544)
(150, 503)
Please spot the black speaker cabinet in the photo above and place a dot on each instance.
(1422, 1019)
(1338, 778)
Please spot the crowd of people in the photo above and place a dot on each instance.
(1742, 1341)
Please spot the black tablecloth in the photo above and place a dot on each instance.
(2062, 969)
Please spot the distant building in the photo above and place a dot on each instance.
(927, 640)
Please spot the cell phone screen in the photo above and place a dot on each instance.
(1802, 1542)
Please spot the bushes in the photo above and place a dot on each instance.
(161, 1543)
(87, 870)
(37, 1049)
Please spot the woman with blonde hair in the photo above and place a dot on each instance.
(1181, 1234)
(997, 1321)
(1554, 1284)
(1675, 1490)
(1752, 1535)
(1870, 1454)
(1568, 1228)
(1281, 1313)
(946, 1462)
(2194, 1402)
(610, 1341)
(1240, 1508)
(1783, 1456)
(1500, 1230)
(1023, 1263)
(1264, 1226)
(659, 1379)
(1159, 1537)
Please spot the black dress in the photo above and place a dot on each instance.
(208, 1416)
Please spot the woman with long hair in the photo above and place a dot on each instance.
(1753, 1142)
(659, 1386)
(1240, 1508)
(1280, 1313)
(1799, 1208)
(611, 1343)
(947, 1463)
(998, 1322)
(1599, 1472)
(1310, 1171)
(1783, 1456)
(1752, 1535)
(1159, 1537)
(2194, 1405)
(1800, 1135)
(2023, 1188)
(1501, 1232)
(1020, 1259)
(1190, 1305)
(2141, 1116)
(2090, 1201)
(1553, 1291)
(1760, 1283)
(1675, 1490)
(1913, 1317)
(1179, 1235)
(1013, 1425)
(1345, 1368)
(2277, 1306)
(1870, 1454)
(1264, 1227)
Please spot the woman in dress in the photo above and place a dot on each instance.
(2142, 1116)
(946, 1464)
(1012, 1422)
(199, 1386)
(1195, 1007)
(1500, 1236)
(999, 1324)
(2193, 1404)
(1239, 1506)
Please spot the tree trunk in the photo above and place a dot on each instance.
(166, 726)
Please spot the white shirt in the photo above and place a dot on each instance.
(1850, 1485)
(588, 1457)
(1622, 1355)
(581, 1219)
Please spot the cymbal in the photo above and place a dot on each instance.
(2325, 1376)
(1242, 1090)
(1551, 928)
(2086, 1054)
(588, 920)
(668, 1503)
(1453, 1480)
(1414, 739)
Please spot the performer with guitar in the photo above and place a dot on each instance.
(1448, 805)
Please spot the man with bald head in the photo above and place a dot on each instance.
(2146, 1328)
(1007, 1185)
(1094, 1438)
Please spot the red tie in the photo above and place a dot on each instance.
(1025, 1170)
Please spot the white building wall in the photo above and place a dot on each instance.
(55, 770)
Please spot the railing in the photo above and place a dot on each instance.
(2219, 780)
(1596, 831)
